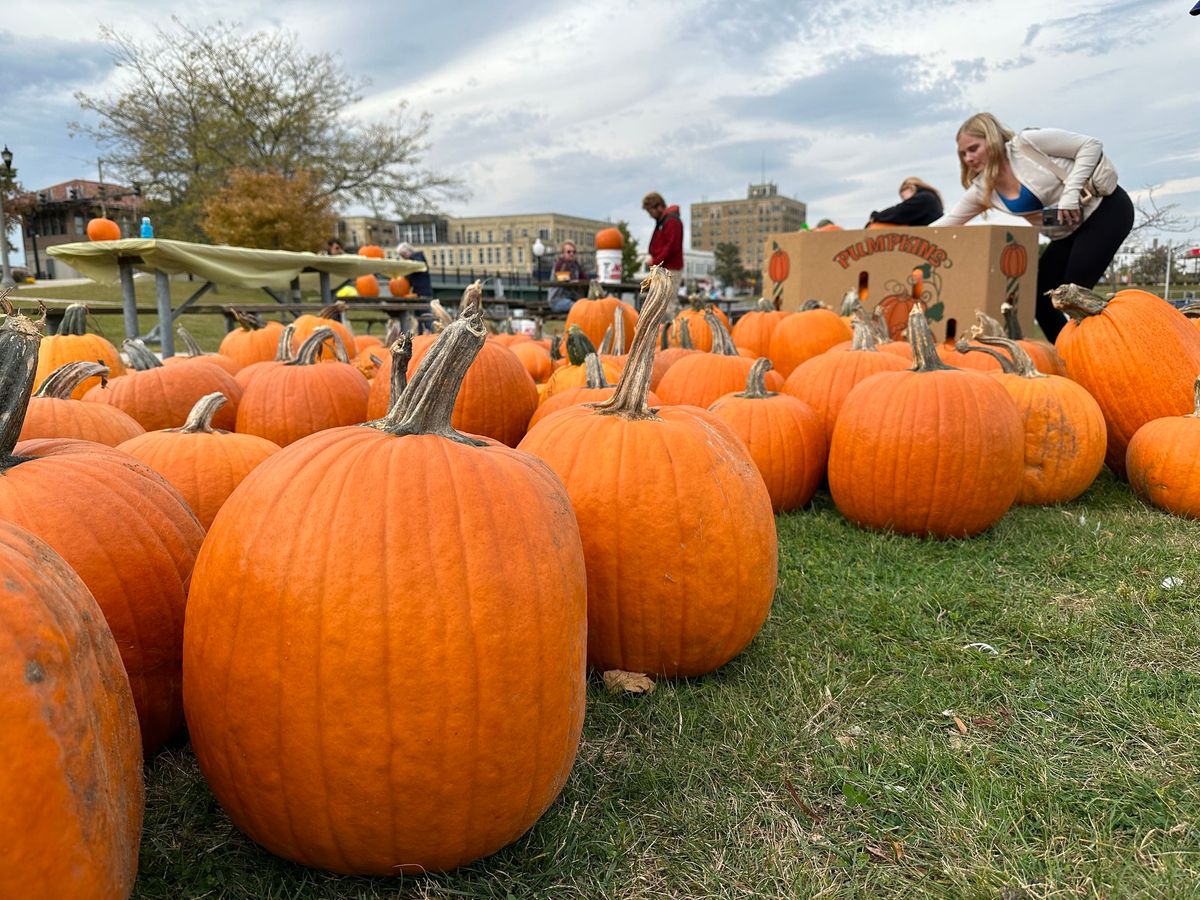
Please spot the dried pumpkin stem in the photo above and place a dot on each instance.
(594, 372)
(427, 404)
(606, 342)
(618, 330)
(19, 344)
(140, 356)
(193, 348)
(988, 325)
(1012, 325)
(756, 380)
(1077, 302)
(1022, 363)
(61, 383)
(310, 350)
(864, 335)
(1196, 399)
(722, 343)
(245, 320)
(629, 399)
(579, 345)
(962, 345)
(74, 320)
(924, 348)
(401, 349)
(199, 420)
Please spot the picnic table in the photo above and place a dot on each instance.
(275, 271)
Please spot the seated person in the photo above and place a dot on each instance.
(566, 268)
(920, 204)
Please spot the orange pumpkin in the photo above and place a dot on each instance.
(53, 414)
(1162, 461)
(1136, 354)
(803, 335)
(194, 353)
(73, 343)
(594, 390)
(753, 330)
(203, 464)
(785, 437)
(594, 315)
(665, 499)
(366, 286)
(71, 819)
(609, 239)
(701, 379)
(475, 644)
(399, 286)
(371, 251)
(329, 317)
(251, 341)
(778, 266)
(1013, 259)
(100, 229)
(951, 441)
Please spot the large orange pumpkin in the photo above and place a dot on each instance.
(1163, 461)
(53, 414)
(399, 286)
(594, 315)
(950, 440)
(803, 335)
(393, 693)
(700, 379)
(753, 330)
(71, 776)
(676, 521)
(128, 534)
(609, 239)
(371, 251)
(72, 343)
(329, 317)
(366, 286)
(251, 341)
(1136, 354)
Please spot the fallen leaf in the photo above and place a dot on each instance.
(898, 850)
(804, 807)
(984, 722)
(960, 725)
(877, 854)
(618, 681)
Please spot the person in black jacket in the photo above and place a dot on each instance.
(920, 204)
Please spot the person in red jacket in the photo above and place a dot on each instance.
(666, 243)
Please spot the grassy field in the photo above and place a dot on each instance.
(1010, 716)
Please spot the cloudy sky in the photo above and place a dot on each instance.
(548, 106)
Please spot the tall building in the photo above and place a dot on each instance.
(745, 223)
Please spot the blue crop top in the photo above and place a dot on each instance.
(1024, 202)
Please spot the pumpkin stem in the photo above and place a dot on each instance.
(427, 404)
(199, 420)
(864, 335)
(962, 345)
(594, 370)
(722, 343)
(629, 399)
(20, 340)
(339, 349)
(606, 342)
(392, 333)
(556, 348)
(283, 349)
(1077, 302)
(441, 315)
(1012, 325)
(538, 325)
(401, 349)
(756, 380)
(140, 356)
(988, 325)
(310, 350)
(334, 310)
(60, 383)
(924, 347)
(74, 320)
(189, 341)
(618, 331)
(1195, 413)
(851, 303)
(595, 291)
(1022, 363)
(685, 335)
(665, 334)
(811, 304)
(245, 320)
(579, 345)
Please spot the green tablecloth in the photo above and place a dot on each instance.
(236, 266)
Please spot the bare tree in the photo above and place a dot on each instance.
(1150, 217)
(200, 103)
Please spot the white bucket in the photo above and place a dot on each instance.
(608, 265)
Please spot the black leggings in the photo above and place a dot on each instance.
(1082, 256)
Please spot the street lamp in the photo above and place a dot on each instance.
(6, 176)
(539, 250)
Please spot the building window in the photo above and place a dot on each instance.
(508, 254)
(489, 236)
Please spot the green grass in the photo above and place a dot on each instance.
(828, 759)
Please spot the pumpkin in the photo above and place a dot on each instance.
(71, 778)
(72, 343)
(535, 359)
(399, 286)
(194, 353)
(753, 330)
(950, 441)
(117, 523)
(1013, 259)
(449, 688)
(366, 286)
(824, 382)
(251, 341)
(1043, 354)
(101, 229)
(574, 374)
(371, 251)
(1064, 429)
(594, 390)
(701, 379)
(303, 396)
(610, 239)
(203, 464)
(53, 414)
(785, 437)
(693, 315)
(803, 335)
(593, 315)
(329, 317)
(1136, 354)
(1162, 461)
(283, 352)
(666, 499)
(159, 396)
(778, 266)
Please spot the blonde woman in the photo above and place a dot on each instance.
(920, 204)
(1061, 182)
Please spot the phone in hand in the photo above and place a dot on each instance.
(1050, 215)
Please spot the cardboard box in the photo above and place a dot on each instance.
(957, 270)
